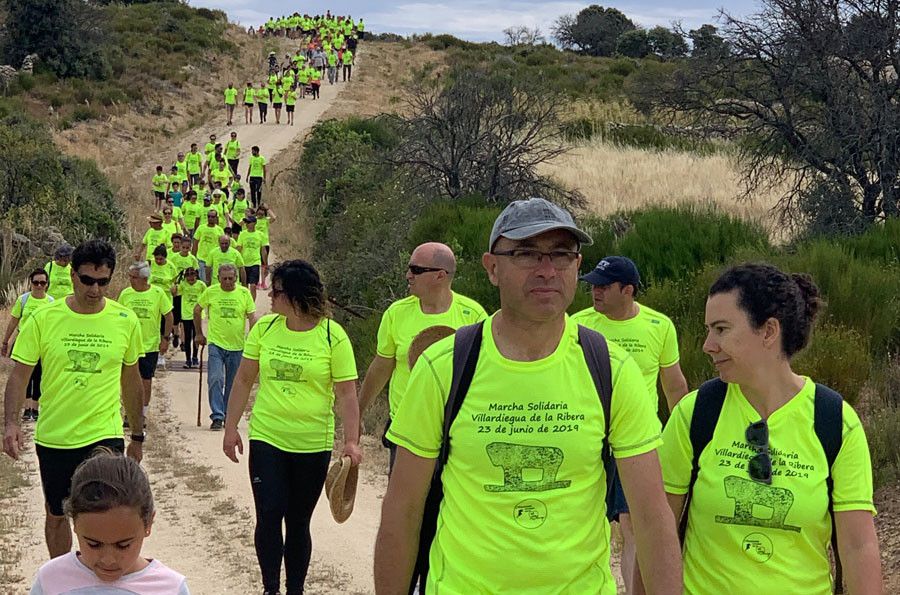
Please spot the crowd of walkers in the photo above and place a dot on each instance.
(553, 419)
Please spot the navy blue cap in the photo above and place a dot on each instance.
(612, 269)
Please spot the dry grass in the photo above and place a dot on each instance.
(617, 178)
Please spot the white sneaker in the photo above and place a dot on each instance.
(161, 362)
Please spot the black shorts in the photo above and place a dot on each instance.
(289, 108)
(252, 274)
(57, 466)
(159, 195)
(250, 105)
(276, 105)
(194, 179)
(176, 311)
(33, 388)
(263, 107)
(147, 365)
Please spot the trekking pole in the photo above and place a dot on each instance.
(200, 385)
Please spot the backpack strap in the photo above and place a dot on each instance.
(828, 422)
(707, 408)
(24, 300)
(466, 345)
(596, 355)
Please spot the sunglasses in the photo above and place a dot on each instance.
(39, 283)
(417, 270)
(89, 281)
(760, 466)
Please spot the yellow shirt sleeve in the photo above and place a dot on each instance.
(27, 348)
(135, 343)
(16, 311)
(669, 355)
(251, 344)
(852, 469)
(387, 344)
(418, 426)
(634, 427)
(675, 454)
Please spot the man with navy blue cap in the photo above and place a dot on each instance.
(649, 336)
(522, 507)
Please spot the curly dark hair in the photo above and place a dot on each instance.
(95, 252)
(302, 285)
(766, 292)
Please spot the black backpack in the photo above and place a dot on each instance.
(827, 423)
(466, 347)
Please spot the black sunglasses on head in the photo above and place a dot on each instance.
(89, 281)
(417, 270)
(760, 466)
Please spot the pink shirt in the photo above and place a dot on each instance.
(67, 574)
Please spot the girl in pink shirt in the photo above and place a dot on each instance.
(111, 506)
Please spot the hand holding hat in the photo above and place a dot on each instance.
(340, 488)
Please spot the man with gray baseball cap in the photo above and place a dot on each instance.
(524, 480)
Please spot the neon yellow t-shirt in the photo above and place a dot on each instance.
(190, 293)
(155, 237)
(60, 280)
(249, 243)
(297, 371)
(209, 149)
(149, 306)
(82, 357)
(219, 207)
(194, 162)
(249, 95)
(742, 532)
(347, 57)
(287, 80)
(400, 324)
(191, 211)
(230, 96)
(262, 226)
(233, 149)
(182, 169)
(160, 182)
(525, 482)
(163, 275)
(238, 209)
(649, 337)
(222, 175)
(31, 304)
(207, 239)
(262, 95)
(216, 258)
(182, 262)
(171, 228)
(256, 166)
(273, 80)
(290, 97)
(227, 315)
(277, 94)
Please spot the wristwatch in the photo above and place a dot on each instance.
(138, 437)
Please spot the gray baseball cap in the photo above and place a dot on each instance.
(523, 219)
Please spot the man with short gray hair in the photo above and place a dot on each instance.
(522, 508)
(153, 307)
(229, 308)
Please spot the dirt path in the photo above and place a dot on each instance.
(204, 522)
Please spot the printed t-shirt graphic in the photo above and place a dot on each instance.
(250, 243)
(524, 483)
(249, 95)
(82, 357)
(31, 304)
(217, 258)
(230, 95)
(192, 211)
(742, 532)
(262, 226)
(60, 280)
(190, 294)
(238, 208)
(163, 275)
(232, 149)
(160, 182)
(149, 306)
(649, 337)
(194, 162)
(227, 315)
(400, 324)
(294, 406)
(183, 262)
(256, 166)
(154, 238)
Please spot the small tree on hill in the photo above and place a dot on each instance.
(594, 31)
(666, 44)
(482, 134)
(633, 44)
(562, 31)
(522, 35)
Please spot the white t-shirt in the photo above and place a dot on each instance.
(67, 574)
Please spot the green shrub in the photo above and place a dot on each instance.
(83, 113)
(861, 294)
(882, 429)
(839, 357)
(25, 81)
(881, 242)
(672, 242)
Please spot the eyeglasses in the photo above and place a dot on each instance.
(530, 259)
(760, 466)
(39, 283)
(417, 270)
(89, 281)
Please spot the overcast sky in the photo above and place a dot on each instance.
(476, 20)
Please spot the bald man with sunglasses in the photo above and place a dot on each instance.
(88, 346)
(431, 302)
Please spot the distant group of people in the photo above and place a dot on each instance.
(327, 49)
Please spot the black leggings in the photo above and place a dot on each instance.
(187, 341)
(286, 487)
(256, 191)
